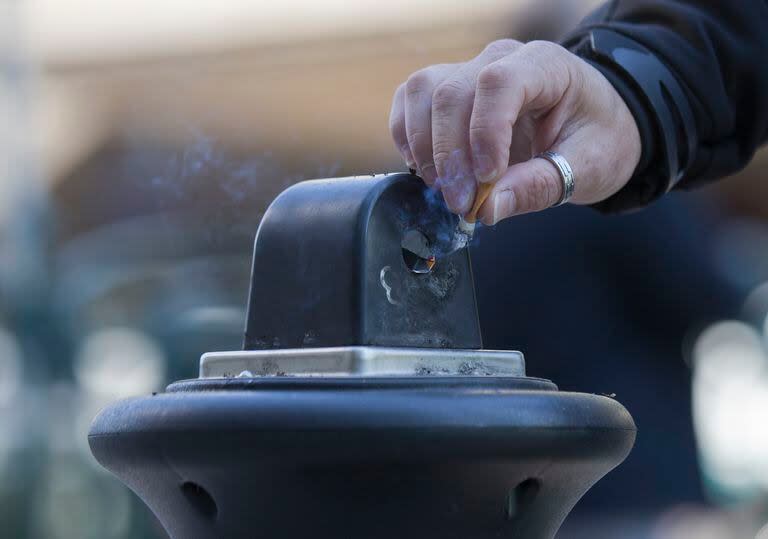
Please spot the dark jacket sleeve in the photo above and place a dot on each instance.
(717, 50)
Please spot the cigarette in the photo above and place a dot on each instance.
(468, 221)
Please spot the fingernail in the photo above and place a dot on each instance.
(462, 200)
(503, 205)
(484, 169)
(455, 194)
(429, 173)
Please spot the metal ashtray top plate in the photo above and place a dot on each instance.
(362, 361)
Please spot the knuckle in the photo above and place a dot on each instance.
(480, 130)
(418, 83)
(441, 156)
(482, 138)
(536, 54)
(501, 47)
(484, 125)
(447, 94)
(493, 77)
(541, 47)
(448, 163)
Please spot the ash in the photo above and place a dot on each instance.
(450, 239)
(442, 284)
(460, 240)
(476, 368)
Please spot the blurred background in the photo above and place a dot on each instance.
(140, 143)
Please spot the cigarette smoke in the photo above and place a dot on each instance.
(224, 191)
(439, 220)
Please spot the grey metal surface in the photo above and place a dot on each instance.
(362, 361)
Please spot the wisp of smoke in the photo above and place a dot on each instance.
(448, 237)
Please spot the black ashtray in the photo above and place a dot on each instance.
(363, 404)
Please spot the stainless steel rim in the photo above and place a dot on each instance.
(361, 361)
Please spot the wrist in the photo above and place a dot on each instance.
(658, 105)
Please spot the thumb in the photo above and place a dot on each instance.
(525, 187)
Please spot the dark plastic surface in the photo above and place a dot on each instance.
(408, 463)
(360, 457)
(321, 253)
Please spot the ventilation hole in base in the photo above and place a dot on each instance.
(522, 496)
(199, 499)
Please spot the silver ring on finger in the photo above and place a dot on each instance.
(566, 175)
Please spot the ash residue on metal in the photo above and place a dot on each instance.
(466, 368)
(421, 339)
(476, 368)
(269, 368)
(415, 309)
(248, 375)
(442, 283)
(430, 371)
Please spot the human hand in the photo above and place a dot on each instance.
(484, 121)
